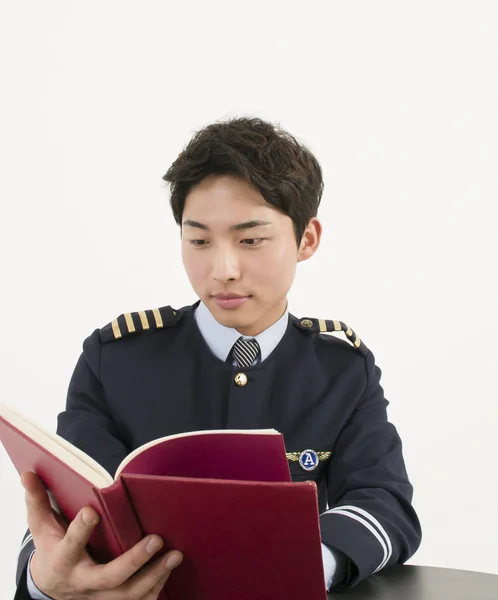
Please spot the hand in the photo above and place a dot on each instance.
(62, 569)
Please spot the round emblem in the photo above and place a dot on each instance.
(307, 323)
(240, 379)
(308, 459)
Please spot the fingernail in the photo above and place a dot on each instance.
(89, 519)
(172, 561)
(153, 545)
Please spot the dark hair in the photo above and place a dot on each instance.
(271, 160)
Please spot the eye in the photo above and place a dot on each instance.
(252, 241)
(198, 242)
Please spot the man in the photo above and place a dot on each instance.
(246, 195)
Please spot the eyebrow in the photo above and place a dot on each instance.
(238, 227)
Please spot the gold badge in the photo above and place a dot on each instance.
(307, 323)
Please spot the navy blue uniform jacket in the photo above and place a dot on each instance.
(150, 374)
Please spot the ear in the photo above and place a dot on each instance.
(310, 240)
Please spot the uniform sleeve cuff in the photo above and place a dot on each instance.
(33, 591)
(334, 566)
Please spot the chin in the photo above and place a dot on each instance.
(229, 319)
(233, 318)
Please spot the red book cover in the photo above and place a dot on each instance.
(241, 540)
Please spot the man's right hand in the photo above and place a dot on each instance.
(62, 568)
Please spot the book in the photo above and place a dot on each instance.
(224, 498)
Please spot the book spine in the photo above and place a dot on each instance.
(118, 512)
(123, 523)
(124, 491)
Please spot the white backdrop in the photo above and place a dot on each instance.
(398, 101)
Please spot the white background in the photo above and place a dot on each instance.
(399, 102)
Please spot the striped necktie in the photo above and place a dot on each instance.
(245, 352)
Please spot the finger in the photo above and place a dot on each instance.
(39, 511)
(115, 573)
(154, 592)
(153, 578)
(78, 534)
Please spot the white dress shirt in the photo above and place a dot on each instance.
(220, 340)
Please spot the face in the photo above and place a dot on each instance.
(240, 253)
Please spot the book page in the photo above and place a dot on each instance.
(78, 460)
(164, 440)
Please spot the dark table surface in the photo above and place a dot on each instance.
(410, 582)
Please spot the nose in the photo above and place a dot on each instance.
(225, 266)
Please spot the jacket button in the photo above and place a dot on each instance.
(240, 379)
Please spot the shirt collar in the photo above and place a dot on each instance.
(221, 339)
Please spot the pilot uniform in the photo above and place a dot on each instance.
(159, 372)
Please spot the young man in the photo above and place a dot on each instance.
(246, 195)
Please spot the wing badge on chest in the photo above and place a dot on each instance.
(308, 459)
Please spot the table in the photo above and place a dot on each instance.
(410, 582)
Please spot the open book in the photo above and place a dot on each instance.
(224, 498)
(220, 454)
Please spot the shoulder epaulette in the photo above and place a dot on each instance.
(137, 322)
(323, 326)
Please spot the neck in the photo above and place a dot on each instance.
(267, 320)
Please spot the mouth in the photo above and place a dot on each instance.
(230, 301)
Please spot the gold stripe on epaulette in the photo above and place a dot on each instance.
(350, 333)
(143, 319)
(116, 330)
(129, 322)
(322, 324)
(157, 317)
(337, 325)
